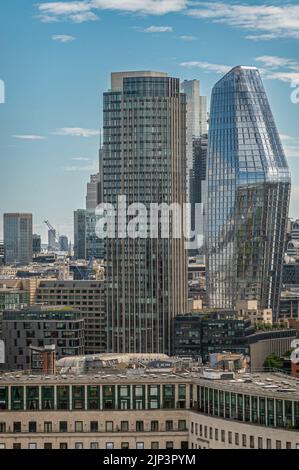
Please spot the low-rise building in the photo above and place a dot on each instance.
(40, 326)
(88, 297)
(109, 410)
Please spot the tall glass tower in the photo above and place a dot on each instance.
(248, 195)
(144, 159)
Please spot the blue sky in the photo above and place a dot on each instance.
(56, 59)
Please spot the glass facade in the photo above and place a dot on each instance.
(248, 195)
(18, 238)
(144, 160)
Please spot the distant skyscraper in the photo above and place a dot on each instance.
(196, 123)
(18, 238)
(63, 243)
(144, 160)
(203, 115)
(248, 195)
(80, 234)
(52, 245)
(93, 192)
(199, 174)
(86, 243)
(37, 244)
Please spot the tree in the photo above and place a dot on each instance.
(273, 362)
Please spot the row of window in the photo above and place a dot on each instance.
(237, 439)
(94, 397)
(94, 426)
(96, 445)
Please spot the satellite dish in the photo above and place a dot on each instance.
(295, 356)
(295, 344)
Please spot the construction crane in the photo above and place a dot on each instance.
(52, 229)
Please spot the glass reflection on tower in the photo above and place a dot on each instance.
(248, 195)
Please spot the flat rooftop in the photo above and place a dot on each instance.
(274, 385)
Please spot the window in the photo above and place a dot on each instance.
(260, 442)
(154, 426)
(230, 437)
(139, 426)
(244, 440)
(169, 425)
(182, 425)
(32, 426)
(251, 442)
(32, 445)
(47, 427)
(17, 446)
(278, 444)
(184, 445)
(109, 426)
(63, 445)
(94, 445)
(169, 445)
(216, 434)
(17, 427)
(47, 445)
(222, 436)
(2, 446)
(94, 426)
(109, 445)
(237, 441)
(288, 445)
(78, 445)
(139, 445)
(155, 445)
(63, 426)
(124, 426)
(79, 426)
(269, 444)
(2, 427)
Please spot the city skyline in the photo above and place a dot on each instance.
(48, 133)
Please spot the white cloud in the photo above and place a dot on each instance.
(63, 38)
(269, 20)
(152, 7)
(29, 137)
(158, 29)
(279, 68)
(81, 11)
(207, 66)
(76, 12)
(77, 132)
(188, 38)
(277, 62)
(81, 159)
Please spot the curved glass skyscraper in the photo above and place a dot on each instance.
(248, 195)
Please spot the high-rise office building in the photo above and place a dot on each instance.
(144, 160)
(63, 243)
(79, 234)
(86, 243)
(18, 238)
(248, 195)
(203, 115)
(93, 192)
(37, 244)
(199, 174)
(196, 122)
(52, 245)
